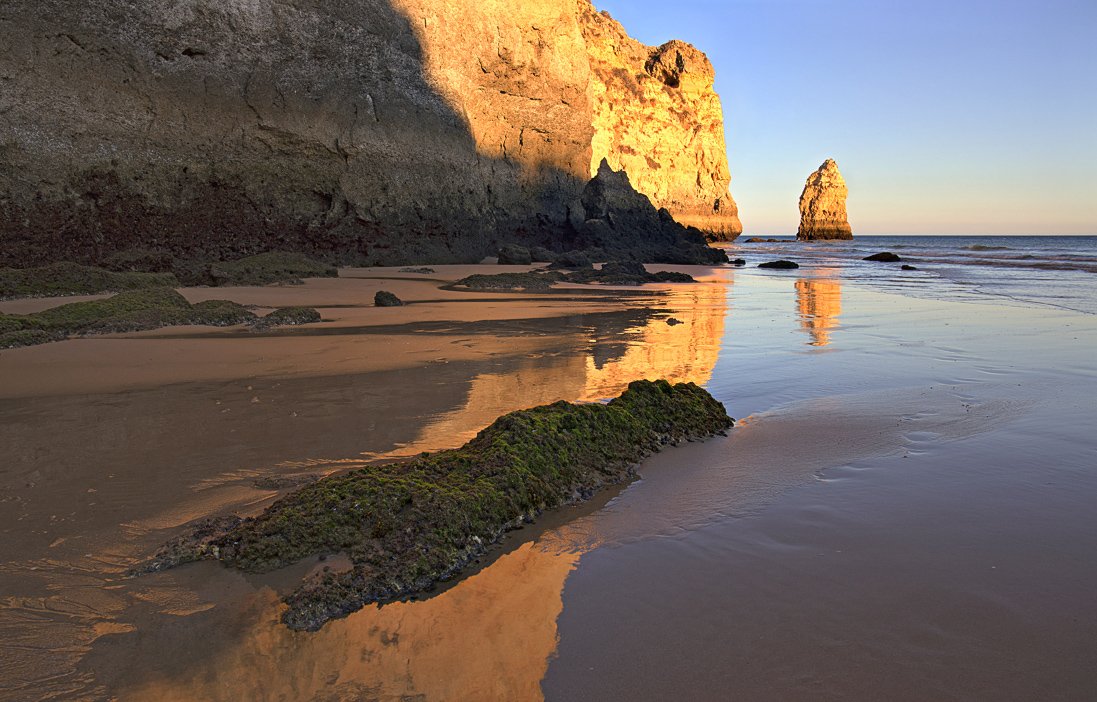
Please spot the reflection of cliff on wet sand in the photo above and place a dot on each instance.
(640, 349)
(488, 638)
(820, 305)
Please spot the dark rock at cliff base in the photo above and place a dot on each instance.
(515, 255)
(883, 257)
(542, 255)
(909, 268)
(779, 265)
(620, 220)
(386, 299)
(572, 261)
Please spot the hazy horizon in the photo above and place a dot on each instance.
(973, 117)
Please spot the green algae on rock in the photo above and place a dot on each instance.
(135, 310)
(267, 268)
(66, 278)
(408, 526)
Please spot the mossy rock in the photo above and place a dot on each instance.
(136, 310)
(64, 278)
(626, 273)
(268, 268)
(407, 526)
(220, 313)
(511, 281)
(290, 316)
(26, 337)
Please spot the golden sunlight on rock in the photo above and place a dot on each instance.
(820, 304)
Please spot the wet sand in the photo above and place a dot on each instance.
(904, 511)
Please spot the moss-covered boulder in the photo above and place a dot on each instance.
(267, 268)
(136, 310)
(407, 526)
(289, 317)
(534, 281)
(58, 279)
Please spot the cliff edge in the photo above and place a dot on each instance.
(365, 131)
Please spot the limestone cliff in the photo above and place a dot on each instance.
(367, 131)
(658, 117)
(823, 205)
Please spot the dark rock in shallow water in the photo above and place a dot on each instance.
(514, 255)
(883, 257)
(673, 322)
(620, 219)
(626, 273)
(779, 265)
(738, 262)
(421, 271)
(760, 240)
(386, 299)
(408, 526)
(909, 268)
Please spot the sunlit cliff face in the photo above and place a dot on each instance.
(820, 305)
(554, 87)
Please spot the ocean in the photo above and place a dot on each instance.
(1054, 271)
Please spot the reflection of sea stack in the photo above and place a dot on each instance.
(820, 305)
(823, 205)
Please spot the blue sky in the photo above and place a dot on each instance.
(945, 117)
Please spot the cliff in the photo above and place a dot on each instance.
(365, 131)
(658, 117)
(823, 205)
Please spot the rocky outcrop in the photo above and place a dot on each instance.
(624, 223)
(823, 205)
(366, 131)
(658, 118)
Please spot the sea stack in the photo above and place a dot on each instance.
(823, 205)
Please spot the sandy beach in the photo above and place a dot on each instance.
(902, 470)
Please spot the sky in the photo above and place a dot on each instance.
(961, 117)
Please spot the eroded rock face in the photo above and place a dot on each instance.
(657, 117)
(365, 131)
(823, 205)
